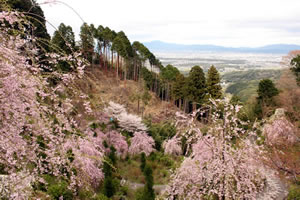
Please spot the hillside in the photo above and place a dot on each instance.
(275, 48)
(245, 83)
(104, 119)
(103, 88)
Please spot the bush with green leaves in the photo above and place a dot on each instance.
(161, 132)
(294, 192)
(59, 190)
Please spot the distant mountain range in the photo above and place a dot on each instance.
(275, 48)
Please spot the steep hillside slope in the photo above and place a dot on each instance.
(103, 87)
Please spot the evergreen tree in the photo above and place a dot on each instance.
(266, 89)
(108, 185)
(213, 83)
(148, 193)
(112, 155)
(87, 41)
(64, 39)
(196, 86)
(143, 161)
(178, 92)
(235, 100)
(169, 73)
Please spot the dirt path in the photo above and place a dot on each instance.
(157, 188)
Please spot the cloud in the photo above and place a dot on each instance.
(230, 23)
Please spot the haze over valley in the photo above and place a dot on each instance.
(225, 59)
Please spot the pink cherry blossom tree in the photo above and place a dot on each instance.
(222, 165)
(34, 121)
(172, 146)
(126, 121)
(141, 142)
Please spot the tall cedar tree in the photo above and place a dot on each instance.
(178, 89)
(87, 41)
(63, 42)
(168, 74)
(266, 91)
(196, 85)
(213, 83)
(64, 39)
(148, 188)
(109, 187)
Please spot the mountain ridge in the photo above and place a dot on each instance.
(273, 48)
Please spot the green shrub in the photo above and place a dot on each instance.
(143, 161)
(160, 132)
(2, 169)
(294, 192)
(60, 190)
(100, 197)
(84, 194)
(94, 125)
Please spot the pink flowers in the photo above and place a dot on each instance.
(218, 167)
(88, 159)
(141, 142)
(172, 146)
(34, 122)
(126, 121)
(280, 131)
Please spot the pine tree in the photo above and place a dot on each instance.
(266, 89)
(143, 161)
(148, 193)
(87, 41)
(63, 42)
(109, 186)
(213, 83)
(178, 89)
(196, 86)
(64, 38)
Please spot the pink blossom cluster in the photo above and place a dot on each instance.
(22, 190)
(113, 138)
(32, 132)
(126, 121)
(280, 130)
(118, 141)
(172, 146)
(88, 158)
(218, 167)
(186, 127)
(141, 142)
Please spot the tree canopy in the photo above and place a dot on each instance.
(64, 38)
(267, 89)
(213, 83)
(196, 85)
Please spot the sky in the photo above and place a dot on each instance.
(230, 23)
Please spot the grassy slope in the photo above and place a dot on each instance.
(244, 84)
(102, 87)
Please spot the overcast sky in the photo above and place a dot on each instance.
(232, 23)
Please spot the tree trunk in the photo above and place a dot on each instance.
(138, 105)
(180, 104)
(118, 62)
(112, 60)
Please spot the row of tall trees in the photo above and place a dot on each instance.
(113, 51)
(193, 91)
